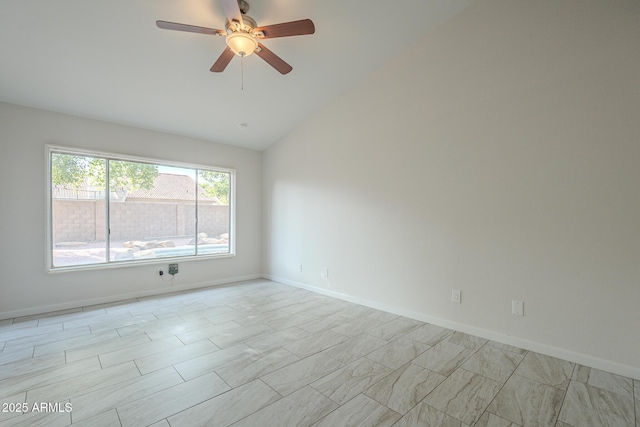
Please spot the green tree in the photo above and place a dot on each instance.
(215, 184)
(69, 171)
(72, 171)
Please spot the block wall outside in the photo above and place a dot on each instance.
(84, 220)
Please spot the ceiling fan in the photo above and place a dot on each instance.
(242, 35)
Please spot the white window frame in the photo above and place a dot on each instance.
(50, 268)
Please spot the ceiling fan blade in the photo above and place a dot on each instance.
(222, 61)
(165, 25)
(232, 10)
(272, 59)
(286, 29)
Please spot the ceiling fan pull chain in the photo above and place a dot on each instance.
(242, 72)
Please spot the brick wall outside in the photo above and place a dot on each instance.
(84, 220)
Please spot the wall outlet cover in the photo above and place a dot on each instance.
(456, 296)
(517, 308)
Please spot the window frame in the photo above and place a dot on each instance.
(108, 156)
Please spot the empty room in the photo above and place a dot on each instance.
(320, 213)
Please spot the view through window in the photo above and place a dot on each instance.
(106, 209)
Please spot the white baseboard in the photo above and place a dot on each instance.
(571, 356)
(122, 297)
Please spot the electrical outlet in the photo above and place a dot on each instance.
(325, 272)
(517, 308)
(456, 296)
(173, 269)
(160, 272)
(300, 268)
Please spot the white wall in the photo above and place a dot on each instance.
(499, 156)
(24, 286)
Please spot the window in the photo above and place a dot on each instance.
(109, 209)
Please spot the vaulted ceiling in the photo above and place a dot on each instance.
(108, 60)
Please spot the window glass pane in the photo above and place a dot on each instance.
(78, 210)
(151, 211)
(213, 212)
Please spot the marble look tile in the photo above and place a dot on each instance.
(227, 408)
(588, 406)
(466, 340)
(289, 321)
(105, 419)
(507, 347)
(47, 339)
(25, 366)
(39, 419)
(405, 387)
(40, 378)
(161, 423)
(637, 399)
(302, 307)
(176, 356)
(199, 334)
(429, 334)
(90, 404)
(361, 411)
(395, 329)
(526, 402)
(398, 352)
(70, 343)
(354, 311)
(257, 318)
(464, 395)
(332, 307)
(350, 380)
(158, 324)
(170, 401)
(323, 323)
(82, 384)
(301, 408)
(425, 415)
(221, 318)
(357, 326)
(315, 343)
(10, 356)
(299, 374)
(16, 331)
(382, 316)
(211, 361)
(443, 358)
(493, 363)
(545, 369)
(354, 348)
(105, 347)
(276, 339)
(491, 420)
(16, 398)
(108, 324)
(605, 380)
(209, 312)
(245, 369)
(234, 336)
(117, 357)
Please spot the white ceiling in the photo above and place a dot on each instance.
(108, 60)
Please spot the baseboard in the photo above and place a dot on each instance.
(571, 356)
(122, 297)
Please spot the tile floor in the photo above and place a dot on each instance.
(266, 354)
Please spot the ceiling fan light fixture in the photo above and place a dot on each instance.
(241, 43)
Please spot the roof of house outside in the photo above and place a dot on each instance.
(171, 187)
(166, 187)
